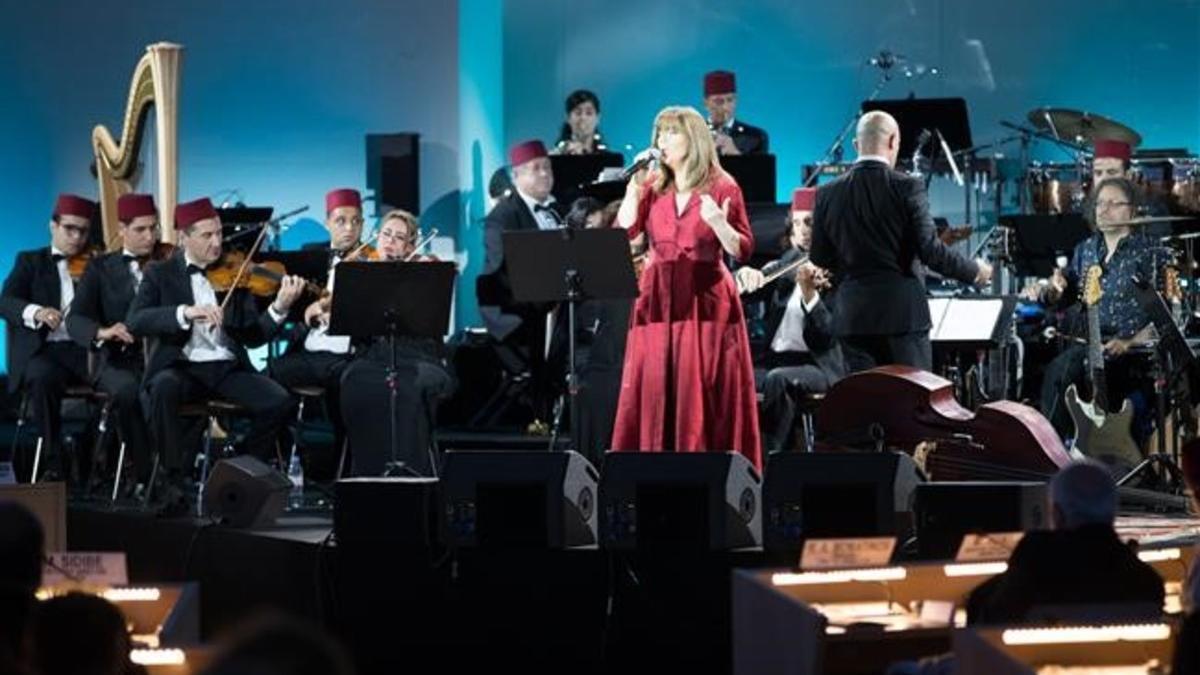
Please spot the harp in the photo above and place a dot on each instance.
(155, 84)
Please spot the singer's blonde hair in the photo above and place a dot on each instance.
(701, 165)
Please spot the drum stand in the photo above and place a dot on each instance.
(1163, 462)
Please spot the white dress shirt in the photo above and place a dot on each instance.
(135, 268)
(66, 289)
(319, 339)
(790, 335)
(546, 220)
(208, 342)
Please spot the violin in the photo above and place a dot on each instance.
(77, 264)
(261, 279)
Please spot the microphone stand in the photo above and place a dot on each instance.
(834, 153)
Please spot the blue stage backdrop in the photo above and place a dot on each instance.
(277, 95)
(802, 72)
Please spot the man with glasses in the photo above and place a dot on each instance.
(42, 359)
(315, 358)
(97, 321)
(1122, 254)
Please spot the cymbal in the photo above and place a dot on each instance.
(1081, 126)
(1148, 220)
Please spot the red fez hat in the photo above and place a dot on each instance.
(719, 82)
(1110, 148)
(134, 205)
(523, 152)
(804, 199)
(342, 197)
(190, 213)
(74, 205)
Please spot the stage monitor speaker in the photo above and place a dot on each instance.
(836, 494)
(395, 513)
(684, 500)
(245, 492)
(948, 510)
(519, 499)
(394, 171)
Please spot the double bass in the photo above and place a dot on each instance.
(1002, 440)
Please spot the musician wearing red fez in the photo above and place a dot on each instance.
(1110, 160)
(97, 322)
(732, 136)
(198, 346)
(42, 359)
(795, 352)
(529, 207)
(315, 358)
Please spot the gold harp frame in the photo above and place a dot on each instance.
(155, 83)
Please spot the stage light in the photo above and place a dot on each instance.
(158, 657)
(975, 569)
(1159, 555)
(1079, 634)
(132, 594)
(838, 576)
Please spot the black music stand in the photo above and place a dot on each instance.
(947, 115)
(568, 266)
(1172, 356)
(755, 175)
(396, 300)
(573, 172)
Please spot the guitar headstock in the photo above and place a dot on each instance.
(1091, 286)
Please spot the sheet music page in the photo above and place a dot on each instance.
(937, 313)
(969, 320)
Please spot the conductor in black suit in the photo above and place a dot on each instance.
(42, 359)
(873, 231)
(97, 321)
(731, 135)
(801, 355)
(198, 348)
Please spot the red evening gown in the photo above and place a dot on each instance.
(688, 382)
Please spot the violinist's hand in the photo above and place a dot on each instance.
(210, 314)
(808, 277)
(748, 279)
(290, 289)
(315, 314)
(48, 316)
(116, 332)
(984, 275)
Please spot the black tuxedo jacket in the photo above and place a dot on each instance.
(102, 299)
(501, 314)
(749, 139)
(165, 286)
(34, 279)
(872, 230)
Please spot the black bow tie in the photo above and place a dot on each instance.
(128, 258)
(553, 214)
(57, 257)
(194, 269)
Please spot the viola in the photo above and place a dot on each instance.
(1002, 440)
(77, 264)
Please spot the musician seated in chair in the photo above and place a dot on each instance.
(1079, 562)
(1121, 254)
(422, 381)
(42, 359)
(198, 345)
(802, 357)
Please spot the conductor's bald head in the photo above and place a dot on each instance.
(878, 135)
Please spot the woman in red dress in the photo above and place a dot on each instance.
(688, 383)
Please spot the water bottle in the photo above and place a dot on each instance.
(295, 474)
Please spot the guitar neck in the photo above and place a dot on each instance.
(1096, 358)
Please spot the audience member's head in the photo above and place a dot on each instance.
(1082, 493)
(79, 634)
(275, 644)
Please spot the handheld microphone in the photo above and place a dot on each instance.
(643, 159)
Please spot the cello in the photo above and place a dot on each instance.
(1002, 440)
